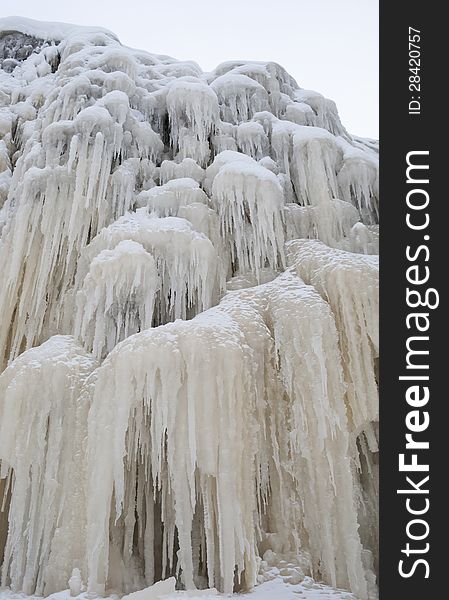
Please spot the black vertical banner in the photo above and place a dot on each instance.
(414, 248)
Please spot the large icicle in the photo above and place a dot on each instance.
(174, 413)
(58, 199)
(193, 113)
(350, 283)
(317, 450)
(43, 421)
(322, 166)
(148, 403)
(248, 199)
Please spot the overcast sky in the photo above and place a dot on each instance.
(330, 46)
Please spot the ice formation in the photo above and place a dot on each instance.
(190, 319)
(42, 437)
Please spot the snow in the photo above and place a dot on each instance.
(275, 589)
(47, 30)
(188, 384)
(161, 589)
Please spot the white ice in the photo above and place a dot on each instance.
(189, 338)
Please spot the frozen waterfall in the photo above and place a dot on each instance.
(189, 337)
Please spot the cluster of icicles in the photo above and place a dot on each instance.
(189, 322)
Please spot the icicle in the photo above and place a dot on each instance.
(154, 403)
(324, 111)
(301, 114)
(224, 138)
(358, 180)
(193, 112)
(310, 368)
(239, 97)
(61, 205)
(43, 420)
(117, 297)
(336, 223)
(184, 198)
(186, 261)
(248, 199)
(349, 282)
(322, 166)
(241, 78)
(133, 174)
(176, 404)
(252, 140)
(5, 172)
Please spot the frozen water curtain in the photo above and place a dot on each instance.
(189, 307)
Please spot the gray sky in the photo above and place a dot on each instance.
(330, 46)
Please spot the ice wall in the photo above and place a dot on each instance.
(42, 437)
(189, 321)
